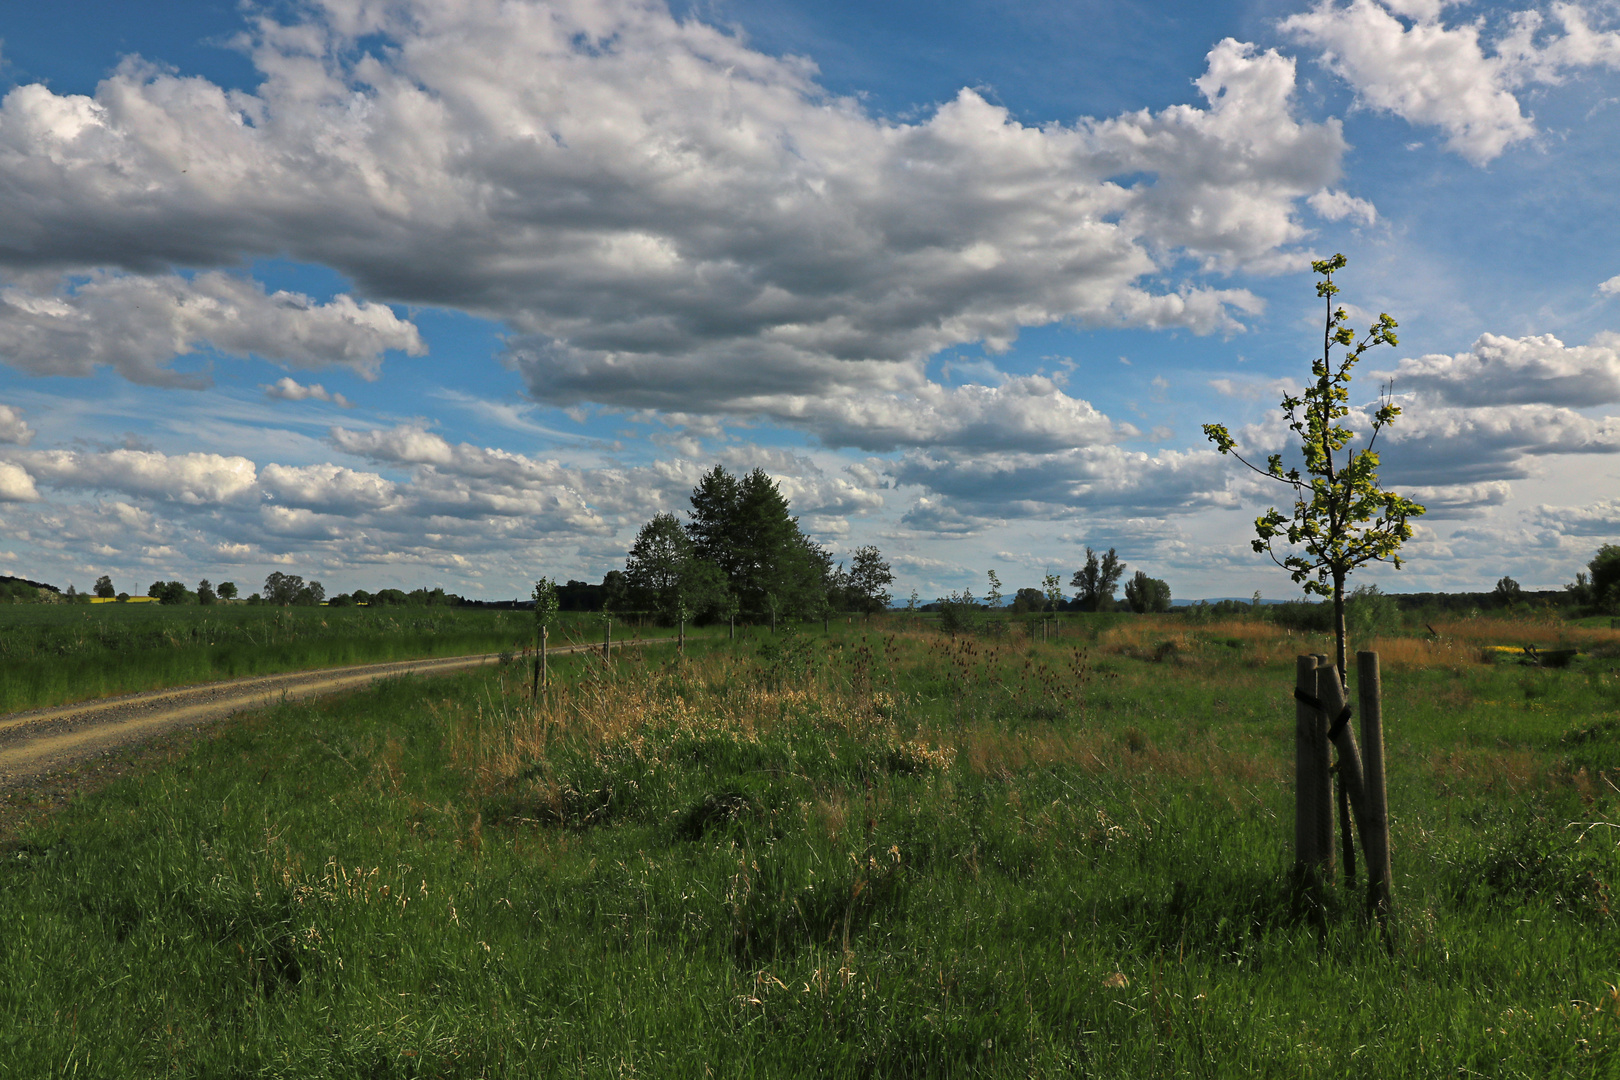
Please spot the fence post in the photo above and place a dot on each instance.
(545, 670)
(1375, 840)
(1325, 673)
(607, 638)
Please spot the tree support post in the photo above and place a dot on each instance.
(1375, 839)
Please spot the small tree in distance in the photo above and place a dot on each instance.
(104, 587)
(1341, 518)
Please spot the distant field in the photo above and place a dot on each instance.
(51, 654)
(879, 853)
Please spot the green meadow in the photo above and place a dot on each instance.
(879, 852)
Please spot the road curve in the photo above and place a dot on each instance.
(44, 740)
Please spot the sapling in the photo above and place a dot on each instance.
(1341, 517)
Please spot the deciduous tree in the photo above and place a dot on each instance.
(1094, 584)
(1341, 517)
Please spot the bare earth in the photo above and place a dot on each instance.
(48, 754)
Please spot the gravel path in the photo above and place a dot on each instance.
(42, 742)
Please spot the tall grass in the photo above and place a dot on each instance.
(865, 855)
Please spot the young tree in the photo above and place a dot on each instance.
(1342, 518)
(546, 606)
(205, 592)
(227, 590)
(104, 587)
(993, 597)
(1094, 585)
(1145, 594)
(1052, 585)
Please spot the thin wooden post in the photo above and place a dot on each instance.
(1306, 854)
(680, 644)
(1326, 676)
(545, 648)
(1375, 839)
(607, 638)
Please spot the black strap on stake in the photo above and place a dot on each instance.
(1338, 724)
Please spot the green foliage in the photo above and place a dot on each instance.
(869, 580)
(546, 604)
(1094, 583)
(1147, 594)
(1341, 517)
(664, 574)
(1605, 580)
(104, 587)
(1507, 592)
(171, 592)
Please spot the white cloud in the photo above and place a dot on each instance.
(1337, 206)
(13, 428)
(15, 484)
(1500, 370)
(326, 488)
(664, 217)
(1601, 518)
(1610, 287)
(1429, 73)
(1024, 413)
(138, 324)
(288, 389)
(193, 479)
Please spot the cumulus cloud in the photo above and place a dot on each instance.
(327, 488)
(664, 217)
(1601, 518)
(1400, 57)
(193, 479)
(1611, 287)
(15, 484)
(137, 324)
(13, 428)
(1338, 206)
(288, 389)
(1025, 413)
(1501, 370)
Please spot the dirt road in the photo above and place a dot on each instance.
(33, 744)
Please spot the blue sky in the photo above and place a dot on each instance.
(399, 294)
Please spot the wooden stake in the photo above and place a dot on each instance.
(1306, 856)
(545, 669)
(1375, 839)
(607, 638)
(1326, 678)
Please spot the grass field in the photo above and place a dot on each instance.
(56, 653)
(881, 853)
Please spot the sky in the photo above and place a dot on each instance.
(461, 293)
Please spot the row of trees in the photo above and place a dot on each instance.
(741, 551)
